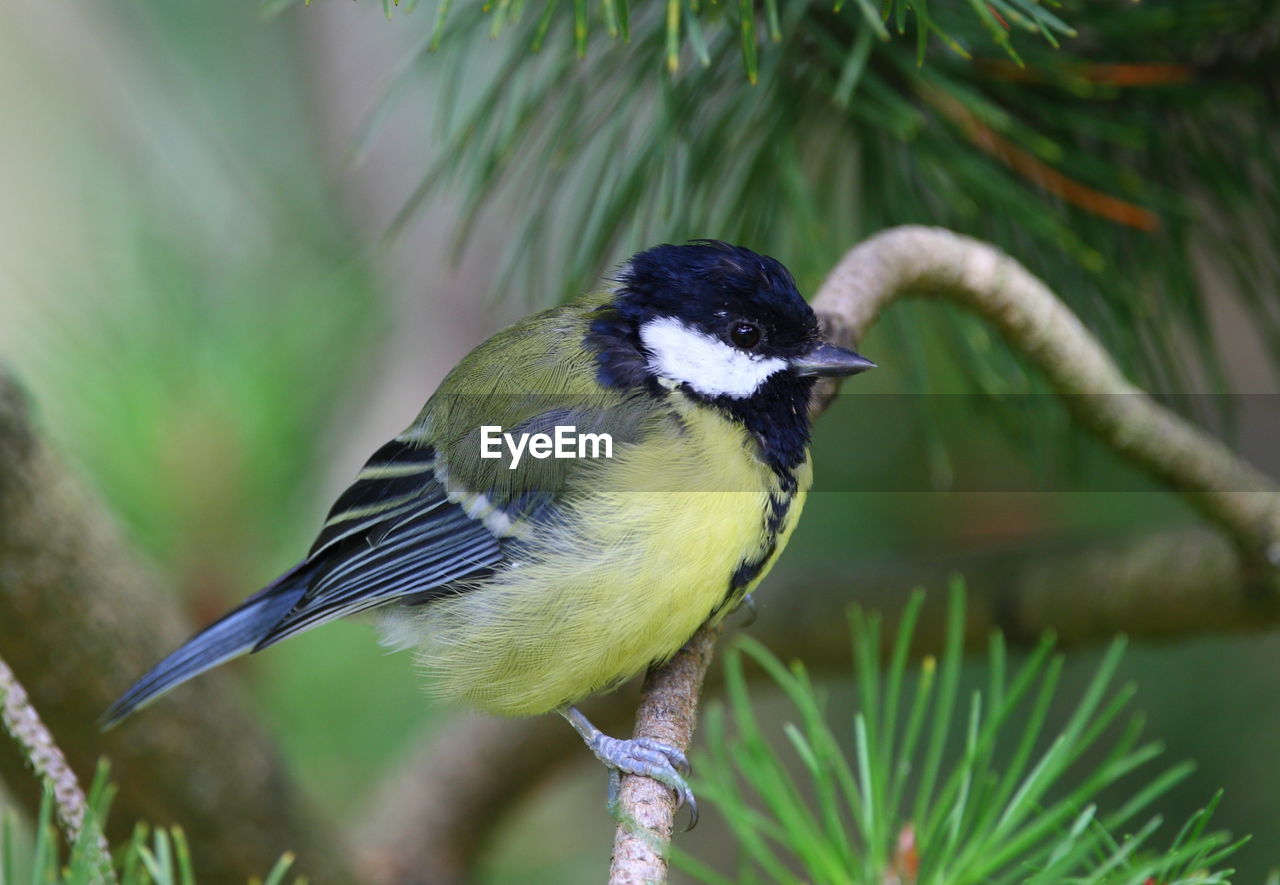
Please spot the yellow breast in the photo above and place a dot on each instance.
(643, 556)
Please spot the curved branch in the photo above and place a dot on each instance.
(940, 264)
(80, 618)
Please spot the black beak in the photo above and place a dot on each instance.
(827, 359)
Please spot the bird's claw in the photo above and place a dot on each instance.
(648, 758)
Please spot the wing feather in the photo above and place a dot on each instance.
(392, 483)
(393, 535)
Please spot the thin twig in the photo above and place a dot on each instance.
(1037, 325)
(44, 756)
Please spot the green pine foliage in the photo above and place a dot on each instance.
(1096, 141)
(929, 786)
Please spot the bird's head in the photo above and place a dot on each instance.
(720, 320)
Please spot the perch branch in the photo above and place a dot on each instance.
(668, 713)
(1044, 331)
(80, 618)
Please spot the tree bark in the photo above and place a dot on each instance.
(80, 618)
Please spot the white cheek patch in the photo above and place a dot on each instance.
(706, 364)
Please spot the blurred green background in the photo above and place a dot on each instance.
(195, 286)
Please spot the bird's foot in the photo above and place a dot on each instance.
(645, 757)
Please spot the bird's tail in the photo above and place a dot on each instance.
(236, 633)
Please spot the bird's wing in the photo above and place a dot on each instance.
(392, 535)
(399, 535)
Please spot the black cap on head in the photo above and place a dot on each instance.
(709, 285)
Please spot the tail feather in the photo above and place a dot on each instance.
(235, 634)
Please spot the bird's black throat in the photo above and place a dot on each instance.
(776, 416)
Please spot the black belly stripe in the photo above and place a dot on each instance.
(779, 507)
(749, 569)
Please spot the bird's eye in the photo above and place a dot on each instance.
(744, 335)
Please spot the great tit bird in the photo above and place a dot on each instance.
(528, 581)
